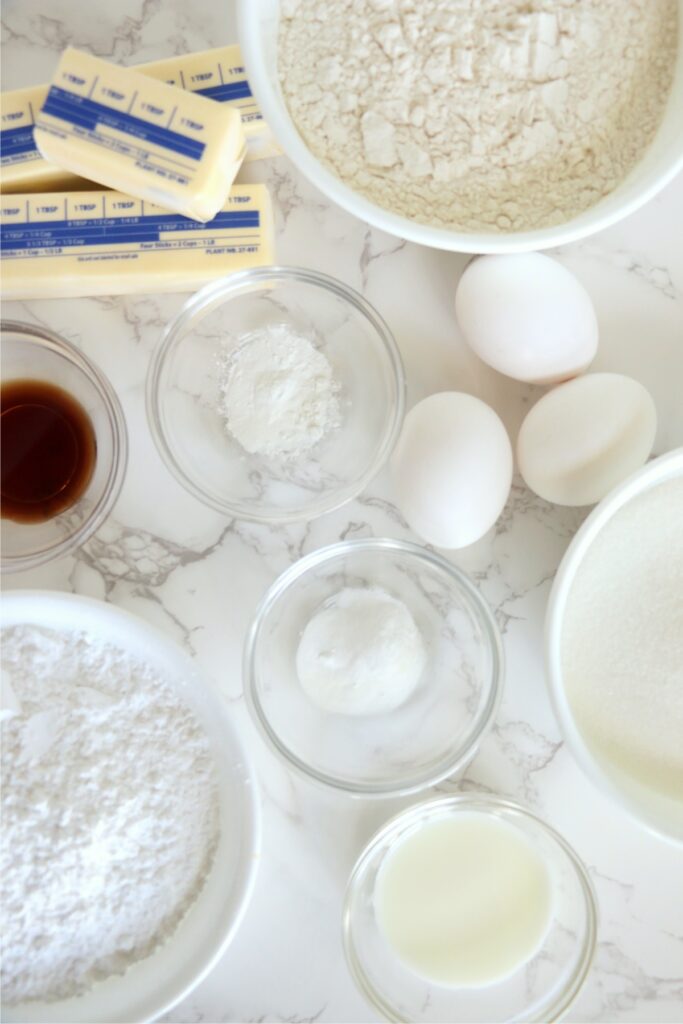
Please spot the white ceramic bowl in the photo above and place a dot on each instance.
(661, 815)
(258, 23)
(152, 986)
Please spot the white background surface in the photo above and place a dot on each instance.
(199, 576)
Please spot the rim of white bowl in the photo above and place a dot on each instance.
(462, 755)
(656, 471)
(488, 803)
(119, 439)
(609, 211)
(222, 291)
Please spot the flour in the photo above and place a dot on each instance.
(496, 115)
(110, 812)
(622, 640)
(361, 653)
(279, 393)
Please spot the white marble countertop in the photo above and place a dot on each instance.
(197, 575)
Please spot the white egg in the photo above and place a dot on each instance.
(452, 469)
(527, 316)
(584, 437)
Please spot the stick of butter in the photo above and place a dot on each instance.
(220, 75)
(22, 168)
(140, 136)
(106, 243)
(217, 74)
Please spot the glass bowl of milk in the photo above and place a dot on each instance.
(373, 667)
(469, 908)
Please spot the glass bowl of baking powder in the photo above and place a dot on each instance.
(276, 394)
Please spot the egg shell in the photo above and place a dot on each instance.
(527, 316)
(452, 469)
(584, 437)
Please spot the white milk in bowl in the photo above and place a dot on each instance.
(464, 902)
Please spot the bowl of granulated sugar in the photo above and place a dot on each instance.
(131, 826)
(614, 646)
(471, 127)
(276, 394)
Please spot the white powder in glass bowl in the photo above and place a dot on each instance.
(279, 395)
(110, 812)
(361, 653)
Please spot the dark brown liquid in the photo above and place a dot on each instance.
(48, 450)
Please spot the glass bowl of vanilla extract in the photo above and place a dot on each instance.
(64, 446)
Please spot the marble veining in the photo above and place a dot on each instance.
(199, 575)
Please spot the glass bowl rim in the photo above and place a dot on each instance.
(43, 337)
(220, 292)
(482, 721)
(493, 805)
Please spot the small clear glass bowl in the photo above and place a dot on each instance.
(35, 353)
(183, 395)
(541, 989)
(437, 731)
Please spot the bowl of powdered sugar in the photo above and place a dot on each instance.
(276, 394)
(478, 127)
(130, 824)
(614, 645)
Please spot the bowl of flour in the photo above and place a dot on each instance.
(130, 821)
(276, 394)
(614, 645)
(474, 127)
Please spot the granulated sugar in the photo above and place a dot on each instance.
(478, 114)
(110, 812)
(622, 640)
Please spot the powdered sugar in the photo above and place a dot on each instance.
(110, 812)
(279, 394)
(478, 115)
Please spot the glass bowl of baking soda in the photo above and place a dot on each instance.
(276, 394)
(373, 667)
